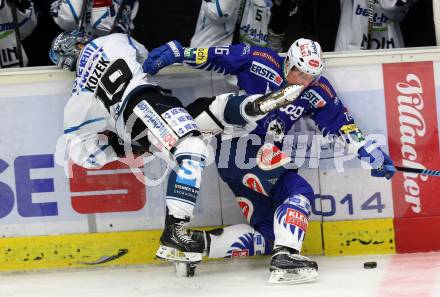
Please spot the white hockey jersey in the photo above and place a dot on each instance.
(255, 21)
(216, 23)
(8, 44)
(98, 20)
(353, 25)
(104, 68)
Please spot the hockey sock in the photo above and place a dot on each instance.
(184, 181)
(291, 222)
(237, 241)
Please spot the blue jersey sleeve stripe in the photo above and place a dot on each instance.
(92, 157)
(72, 9)
(131, 42)
(75, 128)
(100, 19)
(91, 43)
(219, 10)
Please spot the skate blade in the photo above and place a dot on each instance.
(173, 254)
(293, 276)
(185, 269)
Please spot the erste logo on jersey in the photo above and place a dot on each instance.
(266, 73)
(314, 98)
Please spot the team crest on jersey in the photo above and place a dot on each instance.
(247, 208)
(267, 73)
(276, 129)
(269, 157)
(253, 182)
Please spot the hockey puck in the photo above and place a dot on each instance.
(370, 265)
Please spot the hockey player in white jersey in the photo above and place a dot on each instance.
(216, 23)
(27, 21)
(114, 107)
(371, 24)
(98, 15)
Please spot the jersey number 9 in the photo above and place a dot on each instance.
(113, 83)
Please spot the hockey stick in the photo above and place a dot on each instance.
(273, 100)
(429, 172)
(17, 33)
(82, 17)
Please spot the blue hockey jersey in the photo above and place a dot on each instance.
(260, 70)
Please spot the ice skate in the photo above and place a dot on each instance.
(289, 267)
(205, 237)
(176, 246)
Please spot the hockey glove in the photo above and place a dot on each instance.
(119, 147)
(162, 56)
(382, 165)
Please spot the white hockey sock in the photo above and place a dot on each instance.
(291, 221)
(237, 241)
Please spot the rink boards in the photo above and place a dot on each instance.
(48, 220)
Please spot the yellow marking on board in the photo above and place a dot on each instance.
(375, 236)
(313, 241)
(76, 250)
(360, 237)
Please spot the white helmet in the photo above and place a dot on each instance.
(304, 54)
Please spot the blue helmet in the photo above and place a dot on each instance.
(66, 48)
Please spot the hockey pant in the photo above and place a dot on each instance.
(159, 119)
(274, 200)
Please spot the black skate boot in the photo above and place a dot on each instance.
(177, 246)
(288, 266)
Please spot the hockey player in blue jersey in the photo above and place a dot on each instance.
(277, 199)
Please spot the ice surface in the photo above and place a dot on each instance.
(405, 275)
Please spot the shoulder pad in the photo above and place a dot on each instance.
(267, 55)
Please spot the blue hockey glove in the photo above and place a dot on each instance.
(382, 165)
(162, 56)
